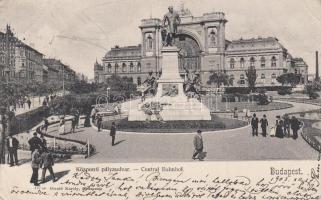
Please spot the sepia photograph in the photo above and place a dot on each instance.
(104, 99)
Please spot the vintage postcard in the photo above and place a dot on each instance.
(160, 99)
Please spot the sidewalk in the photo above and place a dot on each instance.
(35, 103)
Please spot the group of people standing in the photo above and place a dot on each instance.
(74, 123)
(40, 158)
(282, 128)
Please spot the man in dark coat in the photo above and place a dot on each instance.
(264, 124)
(198, 145)
(99, 119)
(286, 124)
(295, 126)
(12, 145)
(113, 133)
(35, 143)
(47, 161)
(255, 125)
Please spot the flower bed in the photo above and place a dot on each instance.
(215, 124)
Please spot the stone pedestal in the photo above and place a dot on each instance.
(170, 93)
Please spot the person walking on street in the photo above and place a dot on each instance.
(47, 161)
(62, 126)
(264, 123)
(35, 164)
(255, 125)
(295, 126)
(286, 124)
(73, 124)
(12, 145)
(198, 145)
(29, 103)
(279, 124)
(113, 133)
(77, 115)
(99, 119)
(45, 125)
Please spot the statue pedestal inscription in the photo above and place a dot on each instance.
(170, 99)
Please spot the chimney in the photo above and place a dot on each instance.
(317, 77)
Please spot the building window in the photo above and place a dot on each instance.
(273, 76)
(131, 67)
(262, 76)
(109, 68)
(149, 42)
(273, 61)
(262, 62)
(116, 67)
(139, 67)
(296, 71)
(124, 68)
(242, 62)
(232, 63)
(252, 62)
(242, 81)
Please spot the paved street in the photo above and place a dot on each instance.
(222, 145)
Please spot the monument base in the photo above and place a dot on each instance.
(174, 104)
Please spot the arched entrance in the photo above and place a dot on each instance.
(189, 54)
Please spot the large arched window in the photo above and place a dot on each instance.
(232, 62)
(109, 67)
(139, 67)
(131, 67)
(262, 62)
(242, 62)
(124, 67)
(252, 62)
(116, 67)
(273, 61)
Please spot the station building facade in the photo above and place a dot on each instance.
(204, 49)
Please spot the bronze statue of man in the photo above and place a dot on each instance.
(170, 22)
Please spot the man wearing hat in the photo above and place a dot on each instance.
(35, 142)
(198, 145)
(254, 124)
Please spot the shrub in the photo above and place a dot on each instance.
(284, 91)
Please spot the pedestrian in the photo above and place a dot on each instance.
(295, 126)
(45, 125)
(35, 143)
(47, 161)
(73, 124)
(264, 123)
(286, 125)
(113, 133)
(93, 115)
(62, 126)
(29, 103)
(47, 99)
(99, 119)
(77, 115)
(43, 141)
(198, 145)
(35, 164)
(279, 127)
(255, 125)
(12, 145)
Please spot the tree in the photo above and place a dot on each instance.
(312, 88)
(289, 78)
(219, 78)
(251, 77)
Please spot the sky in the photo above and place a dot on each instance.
(80, 31)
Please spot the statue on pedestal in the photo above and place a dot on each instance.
(170, 22)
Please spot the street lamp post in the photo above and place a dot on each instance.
(107, 95)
